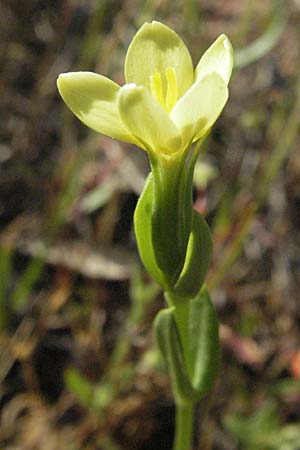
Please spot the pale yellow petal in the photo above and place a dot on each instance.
(147, 120)
(218, 58)
(154, 50)
(92, 98)
(200, 107)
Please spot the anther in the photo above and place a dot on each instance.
(156, 88)
(172, 88)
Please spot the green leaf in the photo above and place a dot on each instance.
(193, 363)
(203, 344)
(143, 231)
(27, 281)
(170, 346)
(6, 257)
(80, 386)
(263, 429)
(197, 260)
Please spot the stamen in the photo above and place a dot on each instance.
(156, 88)
(172, 88)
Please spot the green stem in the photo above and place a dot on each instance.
(184, 426)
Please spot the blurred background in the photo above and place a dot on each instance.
(78, 365)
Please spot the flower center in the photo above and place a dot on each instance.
(164, 88)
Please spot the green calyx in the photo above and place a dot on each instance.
(171, 215)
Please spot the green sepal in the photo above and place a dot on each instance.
(197, 260)
(170, 346)
(143, 232)
(203, 353)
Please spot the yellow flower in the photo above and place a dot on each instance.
(165, 104)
